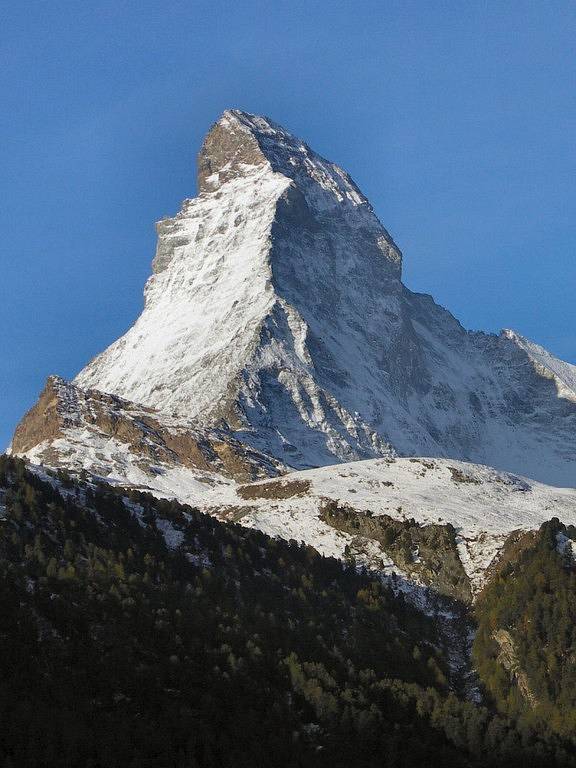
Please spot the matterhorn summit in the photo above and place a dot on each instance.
(266, 289)
(276, 308)
(276, 314)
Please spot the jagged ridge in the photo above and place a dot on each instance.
(79, 429)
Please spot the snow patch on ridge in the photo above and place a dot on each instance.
(563, 374)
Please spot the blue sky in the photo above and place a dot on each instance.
(457, 119)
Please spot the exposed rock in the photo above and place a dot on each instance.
(150, 439)
(461, 477)
(427, 552)
(508, 658)
(46, 419)
(227, 149)
(277, 489)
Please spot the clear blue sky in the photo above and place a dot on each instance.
(457, 119)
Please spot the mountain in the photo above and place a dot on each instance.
(400, 589)
(276, 335)
(276, 309)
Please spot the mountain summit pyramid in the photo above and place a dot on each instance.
(276, 309)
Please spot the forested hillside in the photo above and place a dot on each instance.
(138, 632)
(525, 647)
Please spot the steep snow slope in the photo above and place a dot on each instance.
(276, 306)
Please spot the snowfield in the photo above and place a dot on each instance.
(484, 505)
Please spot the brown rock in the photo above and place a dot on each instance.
(149, 436)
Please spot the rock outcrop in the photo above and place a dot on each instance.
(73, 428)
(508, 658)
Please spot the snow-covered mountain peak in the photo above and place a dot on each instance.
(276, 307)
(277, 241)
(293, 158)
(241, 144)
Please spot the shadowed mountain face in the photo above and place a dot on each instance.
(276, 308)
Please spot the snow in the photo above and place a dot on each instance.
(565, 546)
(563, 374)
(172, 536)
(114, 462)
(484, 510)
(199, 559)
(204, 309)
(276, 305)
(300, 525)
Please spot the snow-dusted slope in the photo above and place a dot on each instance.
(276, 306)
(484, 505)
(122, 442)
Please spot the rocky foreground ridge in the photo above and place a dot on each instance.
(91, 430)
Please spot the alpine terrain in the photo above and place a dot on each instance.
(296, 515)
(276, 307)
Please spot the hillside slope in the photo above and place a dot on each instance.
(140, 632)
(474, 509)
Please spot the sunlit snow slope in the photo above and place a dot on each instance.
(276, 307)
(484, 505)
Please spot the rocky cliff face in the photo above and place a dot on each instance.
(108, 436)
(276, 308)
